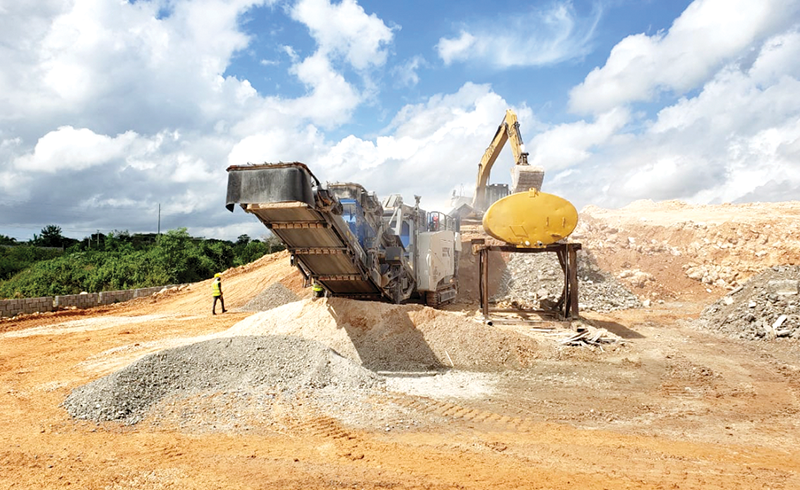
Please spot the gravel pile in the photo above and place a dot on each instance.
(766, 307)
(262, 364)
(536, 281)
(273, 296)
(387, 337)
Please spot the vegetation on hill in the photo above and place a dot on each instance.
(16, 258)
(119, 260)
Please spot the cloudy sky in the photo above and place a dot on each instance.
(109, 108)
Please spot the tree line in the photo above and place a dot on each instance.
(51, 264)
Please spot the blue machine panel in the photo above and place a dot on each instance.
(353, 215)
(405, 234)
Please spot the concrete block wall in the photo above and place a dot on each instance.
(111, 297)
(142, 292)
(77, 300)
(11, 307)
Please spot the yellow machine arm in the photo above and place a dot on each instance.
(508, 130)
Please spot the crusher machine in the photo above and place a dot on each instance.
(342, 237)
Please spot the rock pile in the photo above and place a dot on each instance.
(261, 364)
(272, 297)
(534, 280)
(766, 307)
(325, 350)
(387, 337)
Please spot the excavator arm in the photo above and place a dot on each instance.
(507, 131)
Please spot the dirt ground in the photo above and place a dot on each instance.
(675, 406)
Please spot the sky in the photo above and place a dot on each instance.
(111, 110)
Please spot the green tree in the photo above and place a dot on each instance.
(50, 237)
(16, 259)
(121, 262)
(118, 241)
(252, 251)
(7, 240)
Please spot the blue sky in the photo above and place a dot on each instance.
(109, 108)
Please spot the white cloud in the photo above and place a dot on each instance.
(569, 144)
(78, 63)
(743, 126)
(70, 149)
(526, 38)
(352, 154)
(707, 35)
(189, 169)
(668, 177)
(342, 31)
(761, 166)
(345, 29)
(120, 106)
(127, 104)
(253, 228)
(735, 140)
(331, 100)
(428, 148)
(457, 49)
(291, 53)
(406, 73)
(278, 145)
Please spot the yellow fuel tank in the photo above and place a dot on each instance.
(530, 219)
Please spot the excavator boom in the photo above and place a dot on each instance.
(508, 130)
(524, 177)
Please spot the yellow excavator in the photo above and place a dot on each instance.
(526, 217)
(524, 176)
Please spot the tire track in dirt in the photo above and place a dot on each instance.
(684, 379)
(346, 445)
(168, 453)
(468, 418)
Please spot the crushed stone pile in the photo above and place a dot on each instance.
(271, 364)
(274, 295)
(766, 307)
(536, 281)
(386, 337)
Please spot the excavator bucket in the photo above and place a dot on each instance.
(530, 219)
(525, 178)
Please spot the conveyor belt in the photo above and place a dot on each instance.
(323, 247)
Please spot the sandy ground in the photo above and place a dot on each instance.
(674, 407)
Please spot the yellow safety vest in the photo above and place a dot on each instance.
(317, 287)
(216, 287)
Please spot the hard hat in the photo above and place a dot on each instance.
(217, 275)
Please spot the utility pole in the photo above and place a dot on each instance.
(159, 220)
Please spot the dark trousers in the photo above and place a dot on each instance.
(221, 302)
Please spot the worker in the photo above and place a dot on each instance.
(317, 289)
(216, 287)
